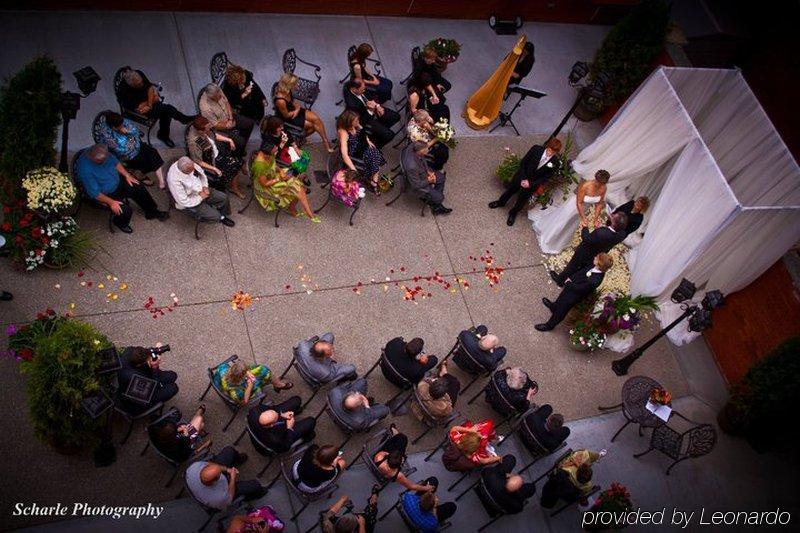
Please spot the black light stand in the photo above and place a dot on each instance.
(87, 80)
(592, 91)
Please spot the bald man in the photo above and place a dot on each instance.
(277, 427)
(509, 490)
(188, 186)
(315, 355)
(481, 346)
(215, 483)
(350, 403)
(105, 180)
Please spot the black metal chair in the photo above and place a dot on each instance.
(196, 218)
(509, 412)
(82, 192)
(371, 446)
(375, 63)
(398, 506)
(635, 394)
(341, 423)
(695, 442)
(401, 181)
(431, 421)
(551, 471)
(312, 382)
(325, 178)
(265, 450)
(218, 67)
(415, 59)
(132, 114)
(200, 452)
(473, 367)
(289, 474)
(210, 511)
(307, 90)
(235, 407)
(389, 370)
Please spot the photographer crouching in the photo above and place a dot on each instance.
(146, 362)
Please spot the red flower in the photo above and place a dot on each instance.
(23, 223)
(40, 316)
(539, 190)
(39, 252)
(36, 232)
(6, 209)
(45, 241)
(18, 240)
(26, 354)
(6, 227)
(51, 312)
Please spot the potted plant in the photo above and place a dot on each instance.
(615, 500)
(508, 167)
(621, 312)
(448, 50)
(762, 403)
(49, 193)
(59, 356)
(586, 336)
(57, 244)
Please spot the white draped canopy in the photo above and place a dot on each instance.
(724, 188)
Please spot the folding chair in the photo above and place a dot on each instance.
(256, 399)
(507, 407)
(199, 453)
(368, 451)
(312, 382)
(532, 444)
(389, 370)
(342, 424)
(474, 367)
(132, 114)
(265, 450)
(415, 59)
(289, 474)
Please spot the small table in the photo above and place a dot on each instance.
(635, 395)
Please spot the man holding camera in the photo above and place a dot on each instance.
(146, 362)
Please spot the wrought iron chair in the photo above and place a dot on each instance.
(307, 90)
(289, 474)
(431, 421)
(531, 443)
(210, 511)
(635, 394)
(550, 471)
(325, 178)
(200, 452)
(82, 192)
(234, 407)
(470, 365)
(416, 57)
(132, 114)
(375, 63)
(398, 506)
(265, 450)
(695, 442)
(401, 180)
(371, 446)
(312, 382)
(218, 67)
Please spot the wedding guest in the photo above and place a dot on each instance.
(358, 411)
(319, 466)
(355, 143)
(408, 359)
(106, 180)
(572, 479)
(349, 521)
(138, 362)
(433, 65)
(215, 483)
(536, 167)
(288, 153)
(296, 114)
(316, 357)
(375, 118)
(593, 193)
(215, 107)
(378, 87)
(424, 182)
(215, 153)
(426, 144)
(420, 98)
(576, 287)
(138, 94)
(188, 186)
(481, 346)
(276, 188)
(516, 391)
(509, 491)
(524, 65)
(243, 93)
(599, 241)
(179, 440)
(425, 510)
(468, 447)
(547, 427)
(278, 427)
(635, 210)
(438, 395)
(346, 188)
(124, 140)
(389, 460)
(240, 381)
(262, 519)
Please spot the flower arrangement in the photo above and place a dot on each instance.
(508, 166)
(660, 396)
(621, 312)
(48, 190)
(385, 184)
(585, 335)
(445, 132)
(616, 500)
(447, 49)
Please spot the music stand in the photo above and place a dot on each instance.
(523, 92)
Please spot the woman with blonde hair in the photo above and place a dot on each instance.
(243, 93)
(295, 114)
(240, 381)
(378, 88)
(468, 447)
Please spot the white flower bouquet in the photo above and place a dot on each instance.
(445, 132)
(586, 336)
(48, 190)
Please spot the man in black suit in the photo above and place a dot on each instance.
(377, 120)
(276, 426)
(535, 168)
(599, 241)
(546, 427)
(424, 182)
(139, 362)
(576, 288)
(408, 359)
(635, 209)
(481, 347)
(508, 490)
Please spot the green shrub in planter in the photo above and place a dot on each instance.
(59, 357)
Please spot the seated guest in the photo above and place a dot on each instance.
(635, 210)
(243, 93)
(517, 389)
(349, 521)
(438, 394)
(572, 480)
(216, 154)
(378, 88)
(468, 447)
(349, 402)
(508, 490)
(262, 519)
(346, 188)
(577, 287)
(408, 359)
(214, 106)
(277, 188)
(422, 135)
(523, 66)
(188, 186)
(355, 143)
(100, 172)
(240, 381)
(139, 362)
(375, 118)
(424, 508)
(319, 466)
(179, 440)
(316, 357)
(390, 458)
(288, 153)
(423, 181)
(123, 139)
(215, 483)
(481, 347)
(294, 113)
(547, 427)
(277, 427)
(420, 92)
(138, 94)
(599, 241)
(433, 66)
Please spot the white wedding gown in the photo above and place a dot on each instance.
(561, 223)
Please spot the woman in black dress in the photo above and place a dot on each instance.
(319, 466)
(378, 88)
(355, 143)
(214, 152)
(420, 98)
(243, 93)
(293, 113)
(433, 66)
(524, 65)
(179, 440)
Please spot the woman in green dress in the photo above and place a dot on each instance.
(276, 188)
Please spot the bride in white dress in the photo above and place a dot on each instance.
(591, 196)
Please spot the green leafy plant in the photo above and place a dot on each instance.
(74, 251)
(508, 166)
(60, 359)
(629, 49)
(585, 335)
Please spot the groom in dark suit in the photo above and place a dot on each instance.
(535, 168)
(601, 240)
(576, 288)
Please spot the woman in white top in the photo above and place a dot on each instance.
(592, 193)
